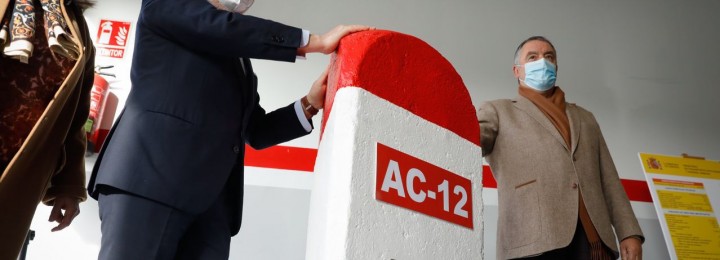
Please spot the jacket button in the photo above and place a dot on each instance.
(278, 39)
(236, 149)
(574, 185)
(574, 158)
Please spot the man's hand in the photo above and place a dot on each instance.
(71, 207)
(316, 96)
(631, 249)
(328, 42)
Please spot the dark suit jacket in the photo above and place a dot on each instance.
(191, 108)
(539, 178)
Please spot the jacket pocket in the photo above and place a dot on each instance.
(527, 183)
(522, 216)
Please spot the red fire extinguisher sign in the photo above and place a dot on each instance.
(112, 37)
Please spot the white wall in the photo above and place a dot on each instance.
(647, 69)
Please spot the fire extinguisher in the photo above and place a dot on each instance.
(98, 96)
(105, 33)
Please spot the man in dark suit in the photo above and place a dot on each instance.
(169, 180)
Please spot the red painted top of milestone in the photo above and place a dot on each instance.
(407, 72)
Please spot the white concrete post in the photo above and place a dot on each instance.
(398, 172)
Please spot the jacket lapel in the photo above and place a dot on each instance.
(528, 107)
(575, 130)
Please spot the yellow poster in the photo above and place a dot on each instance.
(686, 194)
(679, 166)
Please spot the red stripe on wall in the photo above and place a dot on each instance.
(282, 157)
(303, 159)
(637, 190)
(488, 179)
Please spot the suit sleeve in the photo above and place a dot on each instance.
(488, 120)
(199, 26)
(621, 213)
(268, 129)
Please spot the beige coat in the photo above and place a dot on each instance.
(539, 178)
(50, 162)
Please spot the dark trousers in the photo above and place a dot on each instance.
(134, 227)
(579, 248)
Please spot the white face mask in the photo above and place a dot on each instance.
(237, 6)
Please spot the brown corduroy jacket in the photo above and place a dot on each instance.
(539, 177)
(50, 162)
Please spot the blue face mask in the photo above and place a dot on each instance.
(540, 75)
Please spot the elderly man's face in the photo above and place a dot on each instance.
(532, 51)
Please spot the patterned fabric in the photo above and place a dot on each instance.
(22, 30)
(59, 41)
(25, 93)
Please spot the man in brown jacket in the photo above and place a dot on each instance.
(559, 192)
(43, 147)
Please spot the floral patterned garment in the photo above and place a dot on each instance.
(26, 90)
(22, 31)
(20, 25)
(59, 40)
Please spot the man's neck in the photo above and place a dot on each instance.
(547, 93)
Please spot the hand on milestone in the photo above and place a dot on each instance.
(631, 249)
(328, 42)
(71, 206)
(316, 96)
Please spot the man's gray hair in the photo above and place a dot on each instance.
(533, 38)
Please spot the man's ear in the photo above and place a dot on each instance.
(516, 71)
